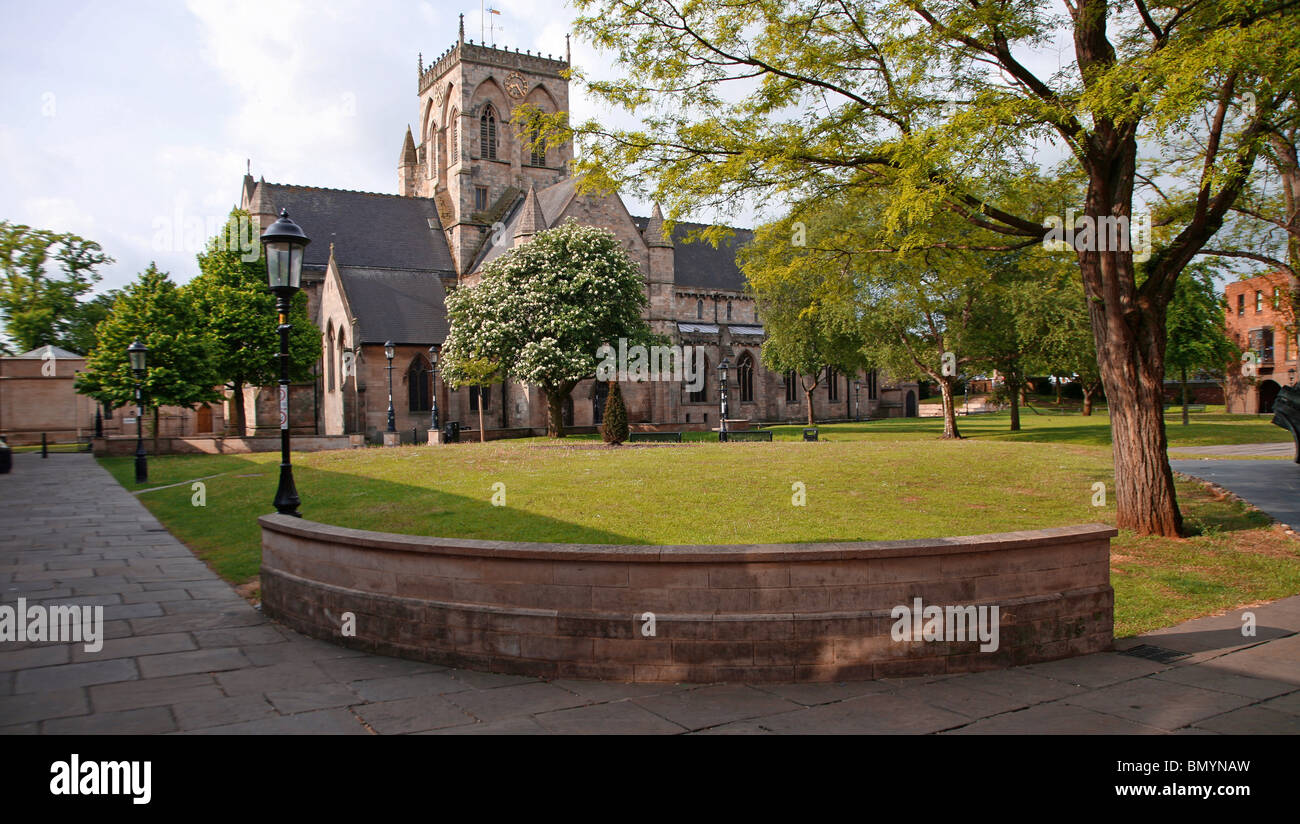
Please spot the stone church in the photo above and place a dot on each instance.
(380, 266)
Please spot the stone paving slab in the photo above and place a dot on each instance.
(184, 654)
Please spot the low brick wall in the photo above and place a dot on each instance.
(196, 445)
(777, 612)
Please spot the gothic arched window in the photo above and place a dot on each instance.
(702, 395)
(791, 387)
(417, 384)
(699, 309)
(537, 157)
(728, 310)
(329, 360)
(487, 132)
(453, 126)
(745, 377)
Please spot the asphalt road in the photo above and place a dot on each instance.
(1273, 486)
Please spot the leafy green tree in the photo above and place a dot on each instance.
(930, 99)
(39, 306)
(81, 330)
(475, 372)
(1198, 337)
(613, 427)
(810, 326)
(236, 312)
(543, 310)
(153, 310)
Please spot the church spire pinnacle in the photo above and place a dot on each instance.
(462, 28)
(531, 219)
(654, 229)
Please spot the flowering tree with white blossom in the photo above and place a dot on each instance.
(543, 310)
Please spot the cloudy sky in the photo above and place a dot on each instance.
(119, 121)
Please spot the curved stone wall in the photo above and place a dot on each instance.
(770, 612)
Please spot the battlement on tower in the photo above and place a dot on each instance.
(469, 52)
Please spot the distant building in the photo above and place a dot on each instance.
(1260, 320)
(37, 396)
(470, 187)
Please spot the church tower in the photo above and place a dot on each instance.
(470, 156)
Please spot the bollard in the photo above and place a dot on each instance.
(45, 450)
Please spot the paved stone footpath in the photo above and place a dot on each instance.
(186, 654)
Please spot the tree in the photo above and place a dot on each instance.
(236, 312)
(810, 326)
(928, 99)
(179, 371)
(542, 310)
(82, 326)
(477, 372)
(1198, 337)
(36, 306)
(613, 428)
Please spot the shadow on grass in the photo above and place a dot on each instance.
(223, 531)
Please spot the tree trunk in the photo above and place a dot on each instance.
(1130, 338)
(949, 408)
(1183, 380)
(1057, 379)
(482, 433)
(555, 397)
(155, 430)
(808, 396)
(1015, 408)
(1088, 389)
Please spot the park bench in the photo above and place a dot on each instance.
(1191, 407)
(750, 435)
(1286, 413)
(655, 437)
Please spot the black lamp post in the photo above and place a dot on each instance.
(284, 242)
(857, 387)
(388, 353)
(722, 397)
(135, 353)
(433, 385)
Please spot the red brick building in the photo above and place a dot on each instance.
(1261, 319)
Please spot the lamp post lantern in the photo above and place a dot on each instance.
(722, 397)
(136, 353)
(388, 353)
(284, 243)
(433, 385)
(857, 387)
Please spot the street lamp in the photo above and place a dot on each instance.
(857, 386)
(284, 243)
(135, 353)
(433, 385)
(388, 353)
(722, 397)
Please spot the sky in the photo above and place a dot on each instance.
(124, 122)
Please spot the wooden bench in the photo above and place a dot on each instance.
(749, 435)
(1191, 407)
(1286, 413)
(655, 437)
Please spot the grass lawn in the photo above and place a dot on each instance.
(869, 481)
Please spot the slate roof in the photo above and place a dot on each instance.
(367, 229)
(699, 265)
(550, 200)
(404, 306)
(55, 352)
